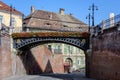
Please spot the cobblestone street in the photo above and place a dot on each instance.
(71, 76)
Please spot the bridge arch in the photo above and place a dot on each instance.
(69, 60)
(24, 43)
(32, 42)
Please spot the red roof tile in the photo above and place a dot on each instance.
(53, 21)
(5, 7)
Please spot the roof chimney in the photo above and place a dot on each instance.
(32, 9)
(71, 14)
(61, 11)
(111, 19)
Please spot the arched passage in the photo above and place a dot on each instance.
(68, 64)
(24, 43)
(69, 58)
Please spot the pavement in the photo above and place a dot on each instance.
(70, 76)
(31, 77)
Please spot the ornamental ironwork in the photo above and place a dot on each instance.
(30, 42)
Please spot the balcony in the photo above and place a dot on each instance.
(58, 51)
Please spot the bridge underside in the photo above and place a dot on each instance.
(26, 41)
(30, 40)
(81, 43)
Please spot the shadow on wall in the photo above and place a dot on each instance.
(48, 68)
(31, 65)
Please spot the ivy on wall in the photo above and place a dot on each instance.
(50, 34)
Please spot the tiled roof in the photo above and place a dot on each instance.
(42, 19)
(40, 14)
(6, 8)
(43, 15)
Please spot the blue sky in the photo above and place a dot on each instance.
(79, 8)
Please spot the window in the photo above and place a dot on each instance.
(59, 47)
(79, 61)
(13, 22)
(70, 48)
(83, 60)
(50, 47)
(65, 50)
(1, 19)
(77, 50)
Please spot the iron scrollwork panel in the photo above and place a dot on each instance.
(82, 43)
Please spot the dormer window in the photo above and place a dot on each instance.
(48, 24)
(50, 16)
(65, 26)
(80, 28)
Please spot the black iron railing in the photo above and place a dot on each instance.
(110, 22)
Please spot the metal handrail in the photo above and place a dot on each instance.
(110, 22)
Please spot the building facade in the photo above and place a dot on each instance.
(10, 17)
(40, 20)
(73, 56)
(10, 20)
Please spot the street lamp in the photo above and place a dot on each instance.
(93, 8)
(89, 17)
(2, 31)
(11, 19)
(10, 16)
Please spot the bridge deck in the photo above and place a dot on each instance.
(50, 34)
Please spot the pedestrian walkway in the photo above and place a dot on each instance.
(79, 76)
(31, 77)
(70, 76)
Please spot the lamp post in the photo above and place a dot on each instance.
(88, 17)
(0, 31)
(11, 19)
(93, 8)
(10, 16)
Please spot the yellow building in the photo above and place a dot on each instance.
(71, 54)
(10, 17)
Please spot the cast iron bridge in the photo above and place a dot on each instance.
(27, 40)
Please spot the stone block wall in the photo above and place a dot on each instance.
(38, 60)
(5, 57)
(105, 58)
